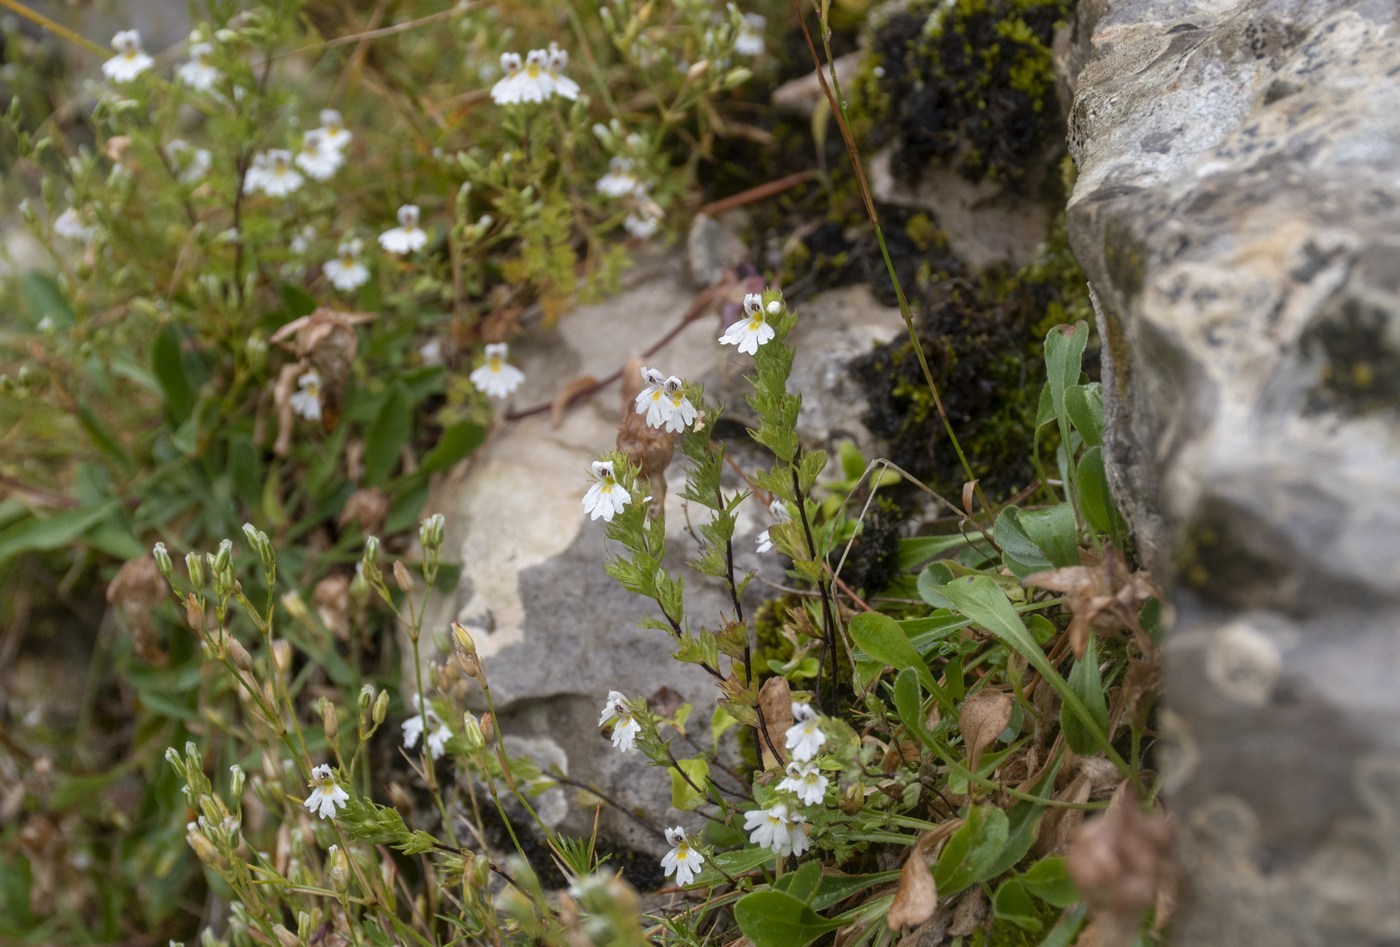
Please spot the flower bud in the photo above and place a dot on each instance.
(195, 567)
(381, 708)
(205, 851)
(430, 534)
(471, 732)
(330, 720)
(359, 588)
(239, 655)
(223, 560)
(366, 698)
(282, 655)
(464, 639)
(488, 728)
(401, 577)
(261, 545)
(236, 780)
(697, 70)
(369, 562)
(339, 869)
(194, 613)
(285, 938)
(163, 562)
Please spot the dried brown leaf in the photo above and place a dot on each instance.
(983, 716)
(136, 589)
(1059, 823)
(1101, 595)
(916, 897)
(1120, 861)
(775, 704)
(566, 394)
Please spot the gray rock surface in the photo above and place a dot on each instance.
(555, 632)
(1238, 212)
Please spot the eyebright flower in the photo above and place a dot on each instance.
(681, 859)
(301, 240)
(326, 793)
(346, 272)
(130, 61)
(805, 737)
(606, 498)
(272, 173)
(683, 412)
(532, 83)
(806, 780)
(413, 728)
(558, 61)
(652, 400)
(625, 730)
(317, 158)
(497, 378)
(645, 218)
(780, 513)
(197, 73)
(777, 830)
(618, 182)
(333, 130)
(407, 237)
(190, 164)
(751, 331)
(70, 225)
(307, 401)
(749, 42)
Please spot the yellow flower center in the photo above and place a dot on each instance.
(754, 323)
(346, 261)
(533, 70)
(493, 364)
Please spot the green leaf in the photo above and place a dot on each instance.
(102, 437)
(1048, 879)
(1019, 552)
(39, 535)
(803, 882)
(776, 919)
(169, 367)
(1084, 405)
(1088, 687)
(734, 863)
(1054, 533)
(46, 301)
(882, 638)
(297, 300)
(931, 581)
(1095, 500)
(1012, 903)
(972, 851)
(684, 796)
(917, 550)
(386, 435)
(1064, 351)
(980, 598)
(456, 442)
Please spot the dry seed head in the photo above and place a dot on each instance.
(488, 728)
(239, 655)
(401, 577)
(194, 613)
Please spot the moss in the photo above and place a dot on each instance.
(873, 561)
(968, 84)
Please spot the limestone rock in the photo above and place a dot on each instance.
(1236, 209)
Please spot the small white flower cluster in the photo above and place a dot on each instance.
(536, 78)
(407, 237)
(778, 828)
(753, 330)
(749, 42)
(664, 403)
(346, 272)
(190, 164)
(130, 61)
(321, 155)
(778, 510)
(495, 376)
(71, 225)
(426, 720)
(326, 793)
(198, 73)
(626, 727)
(606, 498)
(620, 183)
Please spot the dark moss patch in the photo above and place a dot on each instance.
(968, 84)
(873, 561)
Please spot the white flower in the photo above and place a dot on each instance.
(751, 331)
(606, 498)
(805, 737)
(780, 513)
(681, 859)
(777, 830)
(652, 399)
(333, 130)
(190, 164)
(806, 780)
(197, 73)
(431, 352)
(317, 158)
(646, 214)
(533, 83)
(558, 61)
(618, 182)
(413, 728)
(346, 272)
(625, 730)
(407, 237)
(683, 412)
(70, 226)
(130, 60)
(326, 793)
(749, 42)
(307, 402)
(497, 378)
(272, 173)
(301, 241)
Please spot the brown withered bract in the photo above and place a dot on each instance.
(647, 447)
(324, 342)
(1120, 861)
(136, 589)
(1102, 595)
